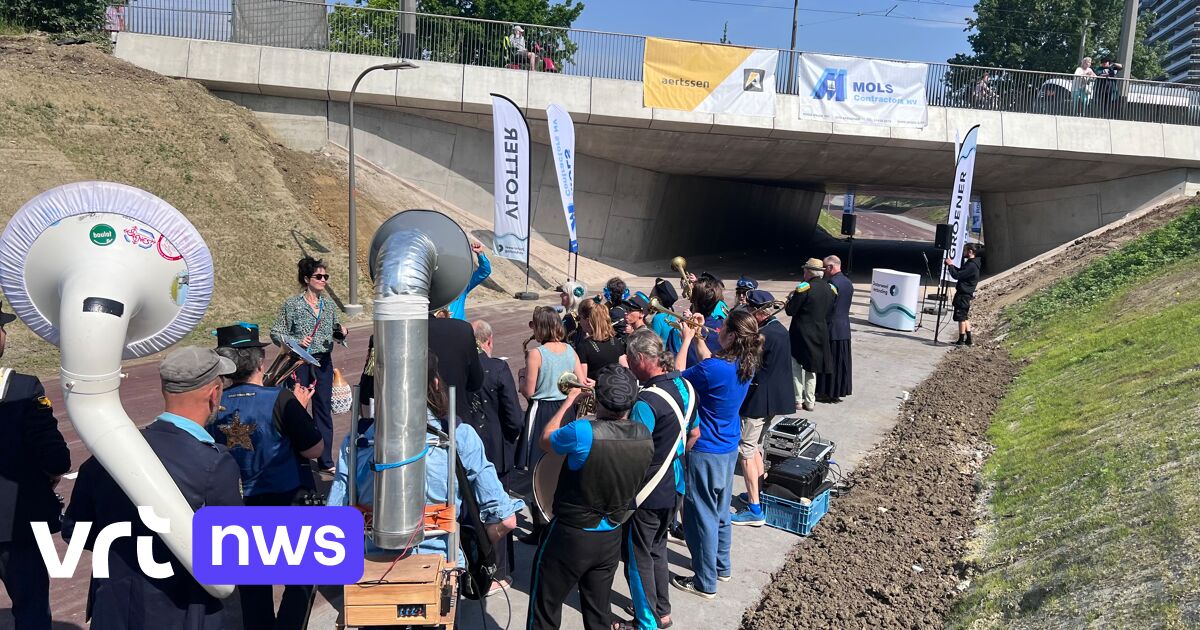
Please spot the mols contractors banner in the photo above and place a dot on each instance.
(960, 195)
(863, 91)
(562, 146)
(510, 134)
(709, 78)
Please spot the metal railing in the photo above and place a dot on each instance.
(581, 52)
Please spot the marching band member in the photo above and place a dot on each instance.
(707, 296)
(571, 296)
(721, 381)
(601, 346)
(606, 462)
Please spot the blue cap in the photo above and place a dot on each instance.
(758, 297)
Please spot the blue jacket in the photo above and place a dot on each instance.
(268, 463)
(458, 308)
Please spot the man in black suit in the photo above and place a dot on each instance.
(835, 385)
(502, 419)
(809, 307)
(205, 473)
(771, 394)
(453, 341)
(33, 456)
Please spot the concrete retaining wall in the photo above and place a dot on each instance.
(1021, 225)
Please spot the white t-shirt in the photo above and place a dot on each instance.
(1083, 79)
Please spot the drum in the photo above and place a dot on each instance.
(545, 482)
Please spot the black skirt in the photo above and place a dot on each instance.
(537, 416)
(839, 383)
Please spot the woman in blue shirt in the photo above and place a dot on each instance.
(721, 381)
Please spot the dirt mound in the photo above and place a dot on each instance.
(890, 552)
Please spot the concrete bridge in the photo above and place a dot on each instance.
(654, 182)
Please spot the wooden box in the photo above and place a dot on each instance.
(408, 593)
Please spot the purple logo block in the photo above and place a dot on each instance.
(277, 545)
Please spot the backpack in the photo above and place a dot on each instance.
(477, 548)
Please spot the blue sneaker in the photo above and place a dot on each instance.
(747, 517)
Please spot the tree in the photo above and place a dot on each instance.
(61, 16)
(725, 35)
(1045, 34)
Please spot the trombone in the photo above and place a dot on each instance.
(678, 322)
(776, 306)
(679, 263)
(587, 398)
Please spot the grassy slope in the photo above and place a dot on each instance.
(832, 226)
(1096, 474)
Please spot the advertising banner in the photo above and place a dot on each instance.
(562, 147)
(976, 217)
(861, 91)
(709, 78)
(510, 134)
(894, 297)
(960, 195)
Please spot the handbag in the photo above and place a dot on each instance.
(341, 396)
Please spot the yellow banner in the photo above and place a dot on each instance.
(681, 75)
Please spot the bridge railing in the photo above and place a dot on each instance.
(313, 24)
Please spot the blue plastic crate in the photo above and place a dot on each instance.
(792, 516)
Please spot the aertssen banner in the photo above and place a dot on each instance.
(863, 91)
(510, 134)
(709, 78)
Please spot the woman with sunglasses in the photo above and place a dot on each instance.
(312, 320)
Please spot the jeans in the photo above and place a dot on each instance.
(322, 399)
(805, 383)
(706, 523)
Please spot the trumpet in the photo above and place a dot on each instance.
(679, 263)
(587, 398)
(678, 322)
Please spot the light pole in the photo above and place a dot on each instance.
(353, 308)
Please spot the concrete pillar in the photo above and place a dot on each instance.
(1129, 16)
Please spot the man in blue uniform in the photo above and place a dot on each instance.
(272, 437)
(205, 474)
(33, 456)
(606, 462)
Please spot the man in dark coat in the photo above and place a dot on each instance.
(833, 386)
(453, 341)
(771, 394)
(33, 456)
(966, 279)
(809, 306)
(205, 473)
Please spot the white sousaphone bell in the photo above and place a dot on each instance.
(108, 272)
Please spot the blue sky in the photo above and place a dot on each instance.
(936, 36)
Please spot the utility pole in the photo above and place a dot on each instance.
(1083, 42)
(1129, 18)
(795, 12)
(791, 66)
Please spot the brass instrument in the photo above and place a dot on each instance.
(587, 398)
(525, 344)
(777, 305)
(679, 263)
(291, 356)
(678, 323)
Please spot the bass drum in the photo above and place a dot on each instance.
(545, 483)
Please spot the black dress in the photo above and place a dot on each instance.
(839, 382)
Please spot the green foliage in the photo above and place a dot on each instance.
(373, 27)
(54, 16)
(1045, 34)
(1104, 277)
(1096, 475)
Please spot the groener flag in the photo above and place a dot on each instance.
(709, 78)
(960, 196)
(510, 134)
(562, 146)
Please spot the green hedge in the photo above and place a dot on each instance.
(55, 16)
(1101, 279)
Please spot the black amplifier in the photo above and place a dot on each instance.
(796, 477)
(788, 438)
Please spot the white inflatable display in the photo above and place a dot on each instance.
(106, 271)
(894, 296)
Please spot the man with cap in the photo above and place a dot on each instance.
(744, 286)
(605, 464)
(616, 292)
(205, 473)
(665, 293)
(33, 456)
(571, 294)
(809, 306)
(639, 315)
(272, 437)
(770, 395)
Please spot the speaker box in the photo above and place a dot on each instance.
(941, 238)
(849, 222)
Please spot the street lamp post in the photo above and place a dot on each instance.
(353, 307)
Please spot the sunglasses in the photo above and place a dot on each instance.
(320, 276)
